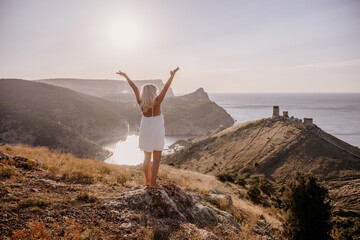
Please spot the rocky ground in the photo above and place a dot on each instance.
(64, 205)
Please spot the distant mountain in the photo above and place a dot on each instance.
(192, 114)
(37, 113)
(41, 114)
(276, 148)
(118, 90)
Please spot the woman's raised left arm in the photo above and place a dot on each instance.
(132, 85)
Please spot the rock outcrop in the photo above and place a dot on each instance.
(198, 95)
(194, 114)
(169, 210)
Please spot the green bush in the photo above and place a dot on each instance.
(308, 208)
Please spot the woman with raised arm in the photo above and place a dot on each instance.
(152, 130)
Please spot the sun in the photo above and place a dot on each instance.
(125, 34)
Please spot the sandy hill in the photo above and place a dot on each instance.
(57, 196)
(109, 89)
(275, 148)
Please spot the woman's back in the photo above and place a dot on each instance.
(154, 111)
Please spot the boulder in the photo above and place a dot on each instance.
(222, 201)
(170, 209)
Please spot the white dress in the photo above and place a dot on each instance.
(152, 133)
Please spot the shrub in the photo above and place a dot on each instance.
(254, 194)
(33, 202)
(160, 234)
(35, 230)
(105, 170)
(82, 177)
(31, 164)
(85, 197)
(245, 169)
(223, 177)
(240, 181)
(121, 178)
(7, 171)
(264, 186)
(308, 208)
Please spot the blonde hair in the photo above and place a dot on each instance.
(148, 95)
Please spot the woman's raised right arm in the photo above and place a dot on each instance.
(162, 94)
(132, 85)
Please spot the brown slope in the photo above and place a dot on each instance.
(40, 114)
(276, 148)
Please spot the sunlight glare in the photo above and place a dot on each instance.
(124, 34)
(126, 152)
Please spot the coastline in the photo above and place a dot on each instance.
(129, 147)
(110, 154)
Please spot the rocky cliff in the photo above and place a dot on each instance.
(194, 114)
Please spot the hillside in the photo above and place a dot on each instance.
(41, 114)
(116, 90)
(275, 148)
(189, 115)
(55, 196)
(194, 114)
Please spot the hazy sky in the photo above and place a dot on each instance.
(223, 46)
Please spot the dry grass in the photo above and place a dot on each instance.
(70, 168)
(33, 202)
(36, 230)
(7, 171)
(66, 167)
(201, 183)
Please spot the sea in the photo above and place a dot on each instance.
(335, 113)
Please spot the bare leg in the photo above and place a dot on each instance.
(147, 167)
(155, 169)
